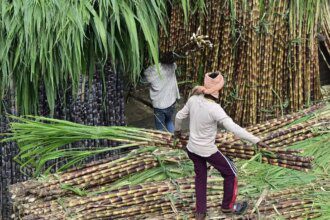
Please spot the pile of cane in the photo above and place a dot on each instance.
(91, 192)
(157, 182)
(278, 134)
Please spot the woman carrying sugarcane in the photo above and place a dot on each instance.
(205, 114)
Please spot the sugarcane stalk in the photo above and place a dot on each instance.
(97, 178)
(295, 139)
(293, 163)
(288, 204)
(281, 160)
(283, 120)
(226, 150)
(288, 137)
(288, 130)
(67, 177)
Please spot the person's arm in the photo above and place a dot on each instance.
(150, 74)
(223, 119)
(230, 125)
(182, 114)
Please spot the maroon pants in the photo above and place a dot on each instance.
(228, 172)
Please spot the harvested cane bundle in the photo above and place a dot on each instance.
(279, 134)
(276, 154)
(125, 201)
(96, 177)
(131, 199)
(39, 138)
(168, 198)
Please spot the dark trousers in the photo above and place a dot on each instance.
(164, 118)
(228, 172)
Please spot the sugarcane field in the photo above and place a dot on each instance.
(164, 109)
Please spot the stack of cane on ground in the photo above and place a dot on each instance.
(37, 136)
(158, 181)
(279, 134)
(128, 188)
(284, 204)
(96, 187)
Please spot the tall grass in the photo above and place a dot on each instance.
(52, 42)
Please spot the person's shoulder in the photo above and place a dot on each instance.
(217, 106)
(196, 98)
(211, 105)
(218, 111)
(191, 99)
(150, 69)
(171, 66)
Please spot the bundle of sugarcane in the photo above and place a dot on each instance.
(274, 138)
(290, 209)
(97, 178)
(288, 203)
(264, 129)
(96, 175)
(276, 123)
(169, 198)
(276, 153)
(93, 176)
(128, 200)
(120, 203)
(38, 138)
(279, 134)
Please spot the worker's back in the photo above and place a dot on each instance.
(163, 85)
(203, 124)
